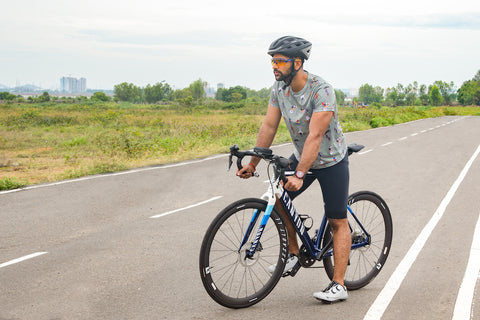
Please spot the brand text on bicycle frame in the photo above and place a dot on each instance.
(288, 204)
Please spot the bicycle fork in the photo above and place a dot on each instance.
(255, 244)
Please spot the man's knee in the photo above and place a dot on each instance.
(338, 224)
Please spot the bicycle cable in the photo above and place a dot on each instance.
(268, 175)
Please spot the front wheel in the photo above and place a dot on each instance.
(371, 230)
(230, 277)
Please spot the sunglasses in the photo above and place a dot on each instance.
(280, 62)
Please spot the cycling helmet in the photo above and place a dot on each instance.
(291, 47)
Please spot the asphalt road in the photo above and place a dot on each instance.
(89, 249)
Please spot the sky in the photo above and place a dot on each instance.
(381, 43)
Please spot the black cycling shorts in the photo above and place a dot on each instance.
(334, 183)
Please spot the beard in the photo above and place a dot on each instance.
(279, 76)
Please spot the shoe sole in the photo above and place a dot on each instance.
(330, 301)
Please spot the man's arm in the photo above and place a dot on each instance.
(268, 130)
(264, 139)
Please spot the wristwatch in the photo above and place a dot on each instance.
(299, 174)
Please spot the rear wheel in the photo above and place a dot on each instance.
(367, 260)
(228, 275)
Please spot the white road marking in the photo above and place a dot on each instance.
(185, 208)
(386, 144)
(117, 173)
(393, 284)
(30, 256)
(402, 138)
(366, 151)
(463, 306)
(414, 134)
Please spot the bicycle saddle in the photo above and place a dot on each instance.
(354, 147)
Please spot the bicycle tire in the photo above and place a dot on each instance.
(229, 278)
(365, 262)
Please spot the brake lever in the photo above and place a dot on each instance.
(230, 162)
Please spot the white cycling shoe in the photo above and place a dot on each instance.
(334, 292)
(291, 264)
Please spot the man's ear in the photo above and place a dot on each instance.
(298, 63)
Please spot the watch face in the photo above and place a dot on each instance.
(299, 174)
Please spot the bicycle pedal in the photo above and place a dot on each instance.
(292, 272)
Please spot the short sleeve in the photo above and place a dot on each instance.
(274, 97)
(324, 99)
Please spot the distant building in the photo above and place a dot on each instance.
(210, 92)
(73, 85)
(353, 92)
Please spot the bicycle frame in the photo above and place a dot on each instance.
(314, 249)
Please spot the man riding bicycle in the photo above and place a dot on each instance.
(307, 104)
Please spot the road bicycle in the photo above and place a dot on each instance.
(249, 236)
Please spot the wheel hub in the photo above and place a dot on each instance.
(358, 236)
(246, 260)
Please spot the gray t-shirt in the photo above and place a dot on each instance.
(297, 109)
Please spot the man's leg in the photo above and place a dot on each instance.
(336, 290)
(342, 242)
(334, 181)
(292, 263)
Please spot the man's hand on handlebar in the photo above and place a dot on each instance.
(246, 172)
(293, 183)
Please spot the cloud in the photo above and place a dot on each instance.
(463, 20)
(469, 21)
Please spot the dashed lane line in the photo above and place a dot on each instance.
(417, 133)
(30, 256)
(185, 208)
(366, 151)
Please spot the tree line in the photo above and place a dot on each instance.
(438, 93)
(46, 97)
(195, 93)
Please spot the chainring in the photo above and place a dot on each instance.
(304, 258)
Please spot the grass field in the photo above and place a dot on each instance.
(50, 142)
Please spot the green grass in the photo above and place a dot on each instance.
(11, 183)
(48, 142)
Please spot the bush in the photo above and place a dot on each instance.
(379, 122)
(10, 183)
(100, 96)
